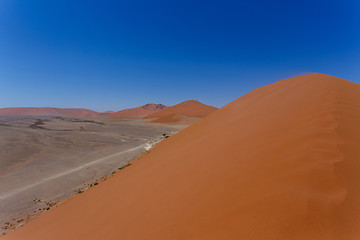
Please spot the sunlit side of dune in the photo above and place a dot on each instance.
(282, 162)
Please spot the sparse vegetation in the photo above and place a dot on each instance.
(121, 168)
(96, 183)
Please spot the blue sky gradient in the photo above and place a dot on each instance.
(110, 55)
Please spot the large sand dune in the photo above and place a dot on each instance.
(176, 113)
(139, 111)
(281, 162)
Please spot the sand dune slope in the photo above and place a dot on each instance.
(282, 162)
(191, 108)
(47, 111)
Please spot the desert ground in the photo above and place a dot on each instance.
(45, 160)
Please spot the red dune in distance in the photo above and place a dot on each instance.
(280, 163)
(189, 108)
(46, 111)
(139, 111)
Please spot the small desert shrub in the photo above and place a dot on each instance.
(96, 183)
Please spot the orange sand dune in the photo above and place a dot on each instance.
(47, 111)
(139, 111)
(189, 108)
(280, 163)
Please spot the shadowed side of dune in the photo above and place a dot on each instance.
(281, 162)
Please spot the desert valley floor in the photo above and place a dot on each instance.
(45, 160)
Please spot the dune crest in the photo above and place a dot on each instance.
(190, 108)
(281, 162)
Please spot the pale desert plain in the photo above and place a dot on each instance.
(279, 163)
(44, 160)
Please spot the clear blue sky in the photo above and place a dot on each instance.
(109, 55)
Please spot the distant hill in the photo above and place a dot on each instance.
(139, 111)
(191, 108)
(46, 111)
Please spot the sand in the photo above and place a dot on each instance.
(281, 162)
(177, 113)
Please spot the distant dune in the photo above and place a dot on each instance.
(175, 113)
(47, 111)
(139, 111)
(280, 163)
